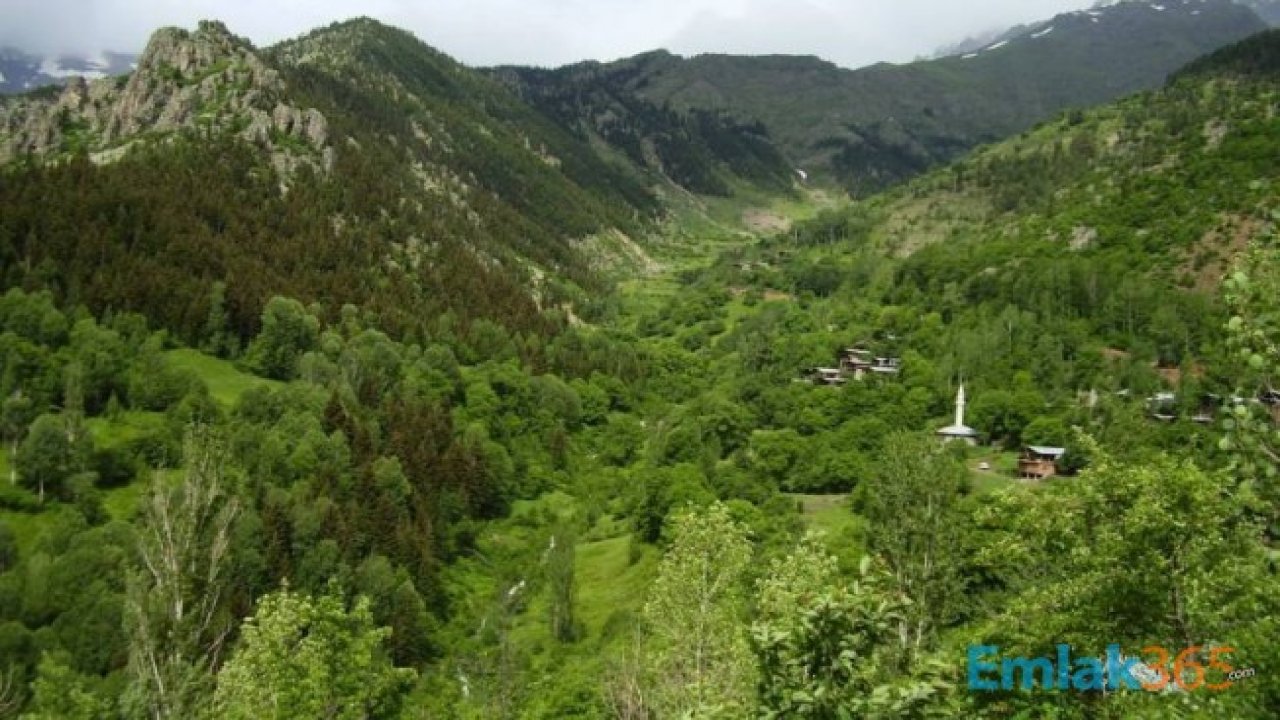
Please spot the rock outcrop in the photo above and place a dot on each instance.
(208, 78)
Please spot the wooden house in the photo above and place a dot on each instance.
(1039, 462)
(886, 365)
(827, 376)
(856, 361)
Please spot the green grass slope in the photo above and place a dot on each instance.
(225, 381)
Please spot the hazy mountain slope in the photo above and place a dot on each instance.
(1268, 10)
(22, 71)
(874, 126)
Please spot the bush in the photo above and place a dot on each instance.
(115, 466)
(18, 499)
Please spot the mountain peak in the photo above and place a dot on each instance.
(208, 78)
(181, 55)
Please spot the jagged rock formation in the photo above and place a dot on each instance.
(207, 79)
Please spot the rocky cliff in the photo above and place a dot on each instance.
(208, 80)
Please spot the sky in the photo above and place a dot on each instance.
(851, 33)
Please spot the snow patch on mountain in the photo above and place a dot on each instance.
(22, 71)
(55, 69)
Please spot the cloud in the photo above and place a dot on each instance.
(548, 32)
(854, 33)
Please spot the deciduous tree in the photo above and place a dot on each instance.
(176, 594)
(303, 657)
(700, 662)
(912, 525)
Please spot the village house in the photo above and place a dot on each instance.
(857, 362)
(1039, 462)
(827, 376)
(886, 365)
(1163, 406)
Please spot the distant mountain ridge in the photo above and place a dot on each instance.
(1267, 10)
(1167, 181)
(22, 71)
(873, 127)
(357, 166)
(705, 121)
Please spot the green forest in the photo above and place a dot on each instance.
(538, 436)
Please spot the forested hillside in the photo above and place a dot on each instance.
(702, 150)
(338, 417)
(353, 165)
(875, 126)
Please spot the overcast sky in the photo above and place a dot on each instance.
(550, 32)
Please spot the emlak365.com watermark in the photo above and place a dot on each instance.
(1156, 669)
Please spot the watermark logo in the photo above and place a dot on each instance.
(1156, 670)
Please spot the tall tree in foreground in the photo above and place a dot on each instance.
(1146, 553)
(301, 657)
(174, 607)
(1253, 298)
(912, 525)
(826, 645)
(700, 662)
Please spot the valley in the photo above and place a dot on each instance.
(341, 379)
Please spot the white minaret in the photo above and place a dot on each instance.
(958, 430)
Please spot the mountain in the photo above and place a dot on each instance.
(1125, 217)
(973, 43)
(21, 71)
(419, 487)
(1268, 10)
(354, 165)
(702, 150)
(875, 126)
